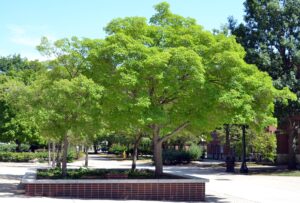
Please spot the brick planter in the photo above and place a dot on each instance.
(188, 189)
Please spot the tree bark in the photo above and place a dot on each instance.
(64, 157)
(157, 145)
(229, 155)
(18, 143)
(244, 168)
(53, 154)
(49, 153)
(58, 159)
(86, 162)
(95, 148)
(135, 152)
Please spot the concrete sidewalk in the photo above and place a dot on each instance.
(223, 187)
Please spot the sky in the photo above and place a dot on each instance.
(24, 22)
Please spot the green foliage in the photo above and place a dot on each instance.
(85, 173)
(12, 156)
(271, 40)
(16, 70)
(117, 149)
(175, 157)
(8, 147)
(195, 151)
(145, 146)
(260, 146)
(24, 148)
(264, 145)
(12, 147)
(22, 156)
(172, 156)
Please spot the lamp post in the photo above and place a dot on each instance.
(244, 168)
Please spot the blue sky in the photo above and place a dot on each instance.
(23, 23)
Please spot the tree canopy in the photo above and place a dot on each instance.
(170, 75)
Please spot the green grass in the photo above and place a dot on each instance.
(286, 173)
(279, 172)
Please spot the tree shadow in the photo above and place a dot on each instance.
(213, 198)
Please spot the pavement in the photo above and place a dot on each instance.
(223, 187)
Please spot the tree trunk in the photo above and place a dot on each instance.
(18, 143)
(64, 157)
(53, 154)
(49, 153)
(135, 152)
(86, 162)
(58, 159)
(292, 154)
(244, 168)
(229, 155)
(95, 149)
(157, 145)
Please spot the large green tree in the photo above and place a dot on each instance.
(169, 76)
(12, 129)
(271, 38)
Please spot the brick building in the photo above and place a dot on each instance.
(282, 135)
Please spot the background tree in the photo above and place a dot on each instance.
(11, 128)
(270, 36)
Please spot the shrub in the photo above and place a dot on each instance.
(194, 152)
(175, 157)
(8, 147)
(71, 155)
(28, 156)
(5, 147)
(17, 157)
(24, 147)
(117, 149)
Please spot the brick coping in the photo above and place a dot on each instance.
(30, 178)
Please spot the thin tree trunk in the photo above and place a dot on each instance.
(229, 156)
(95, 148)
(49, 153)
(135, 152)
(18, 143)
(58, 159)
(64, 157)
(86, 163)
(53, 154)
(244, 168)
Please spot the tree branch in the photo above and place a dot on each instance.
(178, 129)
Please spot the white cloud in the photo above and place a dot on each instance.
(25, 38)
(28, 35)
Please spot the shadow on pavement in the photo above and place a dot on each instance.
(212, 198)
(10, 189)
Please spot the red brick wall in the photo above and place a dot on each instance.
(133, 191)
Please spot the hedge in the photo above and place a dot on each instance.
(29, 156)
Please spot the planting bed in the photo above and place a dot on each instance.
(118, 184)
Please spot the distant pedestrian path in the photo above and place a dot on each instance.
(223, 187)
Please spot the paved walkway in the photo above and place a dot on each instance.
(223, 187)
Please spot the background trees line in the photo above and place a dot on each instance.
(157, 79)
